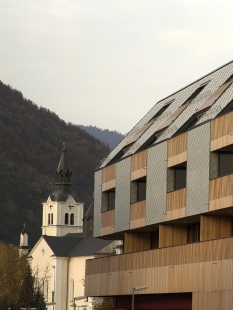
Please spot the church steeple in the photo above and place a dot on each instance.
(63, 211)
(23, 245)
(63, 183)
(63, 170)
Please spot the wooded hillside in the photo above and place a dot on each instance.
(31, 140)
(112, 138)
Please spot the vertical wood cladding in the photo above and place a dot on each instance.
(170, 235)
(134, 242)
(176, 204)
(221, 193)
(109, 177)
(156, 184)
(137, 214)
(139, 165)
(212, 300)
(177, 150)
(107, 222)
(97, 203)
(122, 204)
(198, 170)
(215, 227)
(221, 129)
(197, 267)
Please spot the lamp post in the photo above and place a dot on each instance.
(78, 298)
(137, 288)
(53, 292)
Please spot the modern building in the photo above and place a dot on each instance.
(63, 248)
(166, 190)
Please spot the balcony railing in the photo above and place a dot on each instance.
(202, 266)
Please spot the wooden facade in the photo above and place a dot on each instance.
(215, 227)
(221, 193)
(138, 214)
(222, 131)
(177, 150)
(109, 177)
(139, 165)
(134, 242)
(197, 267)
(176, 204)
(178, 240)
(170, 235)
(107, 222)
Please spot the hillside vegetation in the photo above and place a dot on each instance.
(30, 148)
(112, 138)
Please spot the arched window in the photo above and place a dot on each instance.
(71, 290)
(66, 218)
(49, 219)
(72, 219)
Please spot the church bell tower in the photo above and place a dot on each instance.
(63, 211)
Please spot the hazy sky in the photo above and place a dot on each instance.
(107, 62)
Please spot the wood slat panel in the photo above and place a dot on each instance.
(138, 214)
(221, 128)
(221, 192)
(215, 227)
(138, 165)
(134, 242)
(176, 204)
(212, 300)
(170, 235)
(107, 222)
(177, 145)
(198, 267)
(178, 255)
(109, 177)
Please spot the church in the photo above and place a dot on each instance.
(66, 242)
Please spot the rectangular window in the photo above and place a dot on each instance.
(195, 93)
(194, 232)
(111, 200)
(225, 163)
(164, 108)
(155, 239)
(141, 190)
(180, 178)
(214, 97)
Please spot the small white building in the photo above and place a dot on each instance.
(62, 250)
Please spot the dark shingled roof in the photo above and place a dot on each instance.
(62, 246)
(89, 246)
(62, 192)
(70, 245)
(90, 211)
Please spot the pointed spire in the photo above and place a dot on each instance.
(23, 231)
(63, 170)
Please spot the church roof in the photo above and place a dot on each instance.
(75, 245)
(63, 184)
(90, 211)
(89, 246)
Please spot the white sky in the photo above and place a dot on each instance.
(107, 62)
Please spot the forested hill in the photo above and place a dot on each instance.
(31, 140)
(112, 138)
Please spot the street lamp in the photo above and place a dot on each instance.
(137, 288)
(78, 298)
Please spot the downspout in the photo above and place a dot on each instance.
(67, 281)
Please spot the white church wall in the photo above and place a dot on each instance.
(76, 272)
(41, 259)
(61, 279)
